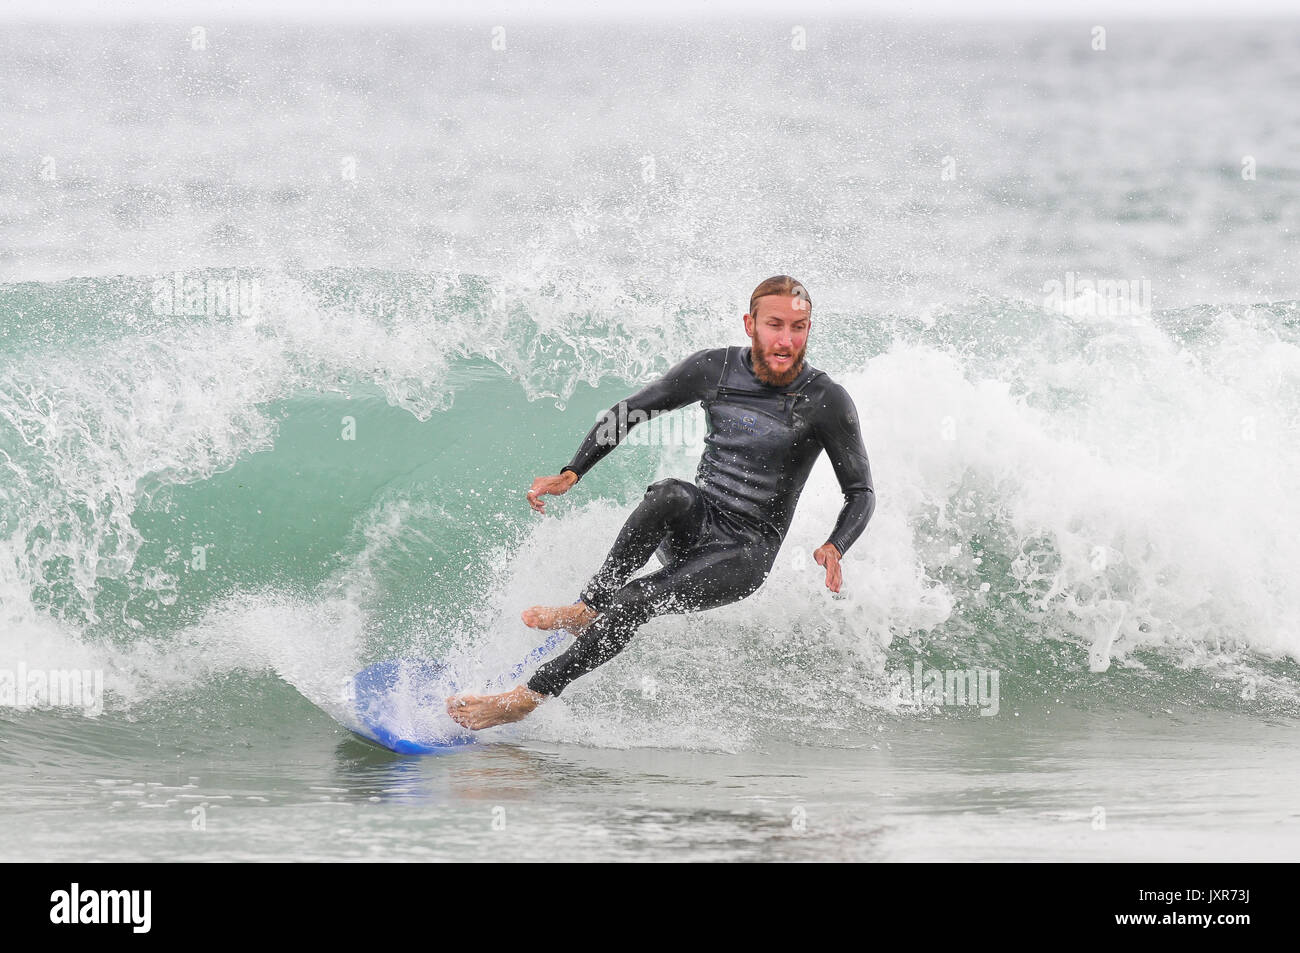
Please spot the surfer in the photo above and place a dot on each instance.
(770, 415)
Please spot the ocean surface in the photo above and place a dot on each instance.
(291, 315)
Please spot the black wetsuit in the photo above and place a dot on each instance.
(718, 537)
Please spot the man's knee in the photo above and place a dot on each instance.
(671, 497)
(726, 582)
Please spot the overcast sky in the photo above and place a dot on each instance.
(363, 10)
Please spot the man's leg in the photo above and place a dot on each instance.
(707, 578)
(712, 576)
(669, 507)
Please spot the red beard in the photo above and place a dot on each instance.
(770, 375)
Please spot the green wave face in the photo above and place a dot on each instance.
(329, 469)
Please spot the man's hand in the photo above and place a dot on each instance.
(827, 555)
(554, 485)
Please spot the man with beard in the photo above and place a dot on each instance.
(770, 416)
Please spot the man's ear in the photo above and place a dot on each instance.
(749, 325)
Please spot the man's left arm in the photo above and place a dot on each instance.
(841, 435)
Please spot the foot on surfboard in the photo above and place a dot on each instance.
(477, 712)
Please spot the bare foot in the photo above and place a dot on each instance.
(574, 618)
(477, 712)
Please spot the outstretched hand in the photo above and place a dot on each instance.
(554, 485)
(827, 555)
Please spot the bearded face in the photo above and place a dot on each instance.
(778, 335)
(778, 366)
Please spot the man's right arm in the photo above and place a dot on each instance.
(684, 384)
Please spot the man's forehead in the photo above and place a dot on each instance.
(794, 306)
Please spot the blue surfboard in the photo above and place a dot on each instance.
(400, 703)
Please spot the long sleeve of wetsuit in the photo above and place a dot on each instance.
(837, 426)
(683, 384)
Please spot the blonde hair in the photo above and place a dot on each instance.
(779, 285)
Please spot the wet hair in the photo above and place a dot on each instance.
(779, 285)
